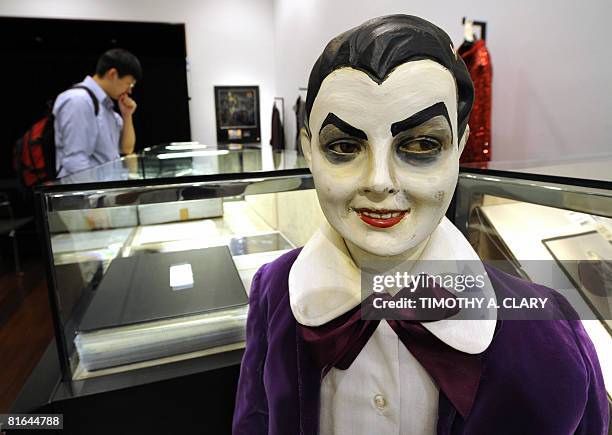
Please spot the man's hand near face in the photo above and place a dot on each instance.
(127, 106)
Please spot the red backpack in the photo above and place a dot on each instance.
(34, 152)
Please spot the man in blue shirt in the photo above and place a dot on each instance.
(84, 140)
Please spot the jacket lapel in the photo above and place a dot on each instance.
(309, 388)
(446, 415)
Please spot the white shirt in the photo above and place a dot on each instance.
(385, 390)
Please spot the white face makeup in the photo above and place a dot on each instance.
(385, 158)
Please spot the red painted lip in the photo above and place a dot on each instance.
(381, 223)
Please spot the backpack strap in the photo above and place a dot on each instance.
(92, 95)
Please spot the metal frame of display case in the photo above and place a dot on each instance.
(558, 192)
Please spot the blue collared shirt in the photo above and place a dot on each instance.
(82, 139)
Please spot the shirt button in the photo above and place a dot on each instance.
(380, 402)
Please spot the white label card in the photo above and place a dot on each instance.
(181, 276)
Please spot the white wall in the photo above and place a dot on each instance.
(552, 64)
(229, 42)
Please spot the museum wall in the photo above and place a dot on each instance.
(228, 43)
(551, 65)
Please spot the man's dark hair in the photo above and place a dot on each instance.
(122, 60)
(379, 45)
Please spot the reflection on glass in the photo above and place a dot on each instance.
(187, 159)
(599, 169)
(185, 154)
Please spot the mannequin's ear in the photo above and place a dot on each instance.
(305, 142)
(464, 139)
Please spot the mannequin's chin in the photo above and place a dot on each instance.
(382, 249)
(382, 245)
(390, 242)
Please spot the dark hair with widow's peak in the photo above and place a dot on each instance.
(122, 60)
(379, 45)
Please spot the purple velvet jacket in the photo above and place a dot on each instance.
(539, 377)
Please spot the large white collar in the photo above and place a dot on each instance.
(325, 283)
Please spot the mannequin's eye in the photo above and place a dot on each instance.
(344, 147)
(420, 149)
(342, 150)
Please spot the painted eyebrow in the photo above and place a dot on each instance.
(344, 126)
(420, 117)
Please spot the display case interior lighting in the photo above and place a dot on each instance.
(186, 146)
(186, 154)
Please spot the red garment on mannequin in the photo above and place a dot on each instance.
(478, 147)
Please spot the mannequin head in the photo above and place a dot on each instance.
(387, 110)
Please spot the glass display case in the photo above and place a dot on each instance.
(150, 257)
(550, 224)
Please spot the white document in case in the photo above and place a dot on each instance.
(181, 276)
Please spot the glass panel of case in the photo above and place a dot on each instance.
(176, 160)
(548, 229)
(144, 274)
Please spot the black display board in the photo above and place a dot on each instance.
(43, 57)
(137, 289)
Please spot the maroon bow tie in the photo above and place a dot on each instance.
(338, 342)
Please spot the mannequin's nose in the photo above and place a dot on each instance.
(379, 180)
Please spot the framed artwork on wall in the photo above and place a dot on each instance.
(237, 113)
